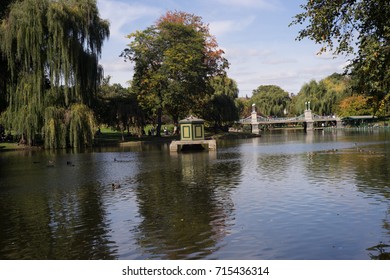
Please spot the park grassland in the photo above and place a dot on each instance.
(112, 137)
(11, 146)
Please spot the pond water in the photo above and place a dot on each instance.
(286, 195)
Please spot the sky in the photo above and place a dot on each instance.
(255, 35)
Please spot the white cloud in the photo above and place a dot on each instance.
(270, 68)
(122, 14)
(222, 27)
(263, 4)
(257, 56)
(243, 53)
(116, 65)
(279, 60)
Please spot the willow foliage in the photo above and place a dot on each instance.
(81, 126)
(52, 49)
(271, 100)
(358, 28)
(55, 128)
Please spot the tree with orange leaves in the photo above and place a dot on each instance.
(355, 105)
(174, 61)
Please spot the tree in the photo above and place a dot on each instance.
(360, 28)
(52, 49)
(4, 10)
(384, 107)
(174, 61)
(312, 92)
(244, 106)
(356, 105)
(271, 100)
(118, 107)
(221, 107)
(324, 96)
(222, 84)
(337, 87)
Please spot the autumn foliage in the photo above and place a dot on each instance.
(213, 54)
(356, 105)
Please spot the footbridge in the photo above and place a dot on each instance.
(308, 119)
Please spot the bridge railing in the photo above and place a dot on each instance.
(318, 117)
(248, 120)
(300, 118)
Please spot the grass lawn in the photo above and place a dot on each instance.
(11, 146)
(108, 136)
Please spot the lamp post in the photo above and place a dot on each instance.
(307, 105)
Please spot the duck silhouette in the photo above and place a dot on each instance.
(114, 187)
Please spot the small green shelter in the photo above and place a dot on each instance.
(191, 128)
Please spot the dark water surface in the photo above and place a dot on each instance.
(286, 195)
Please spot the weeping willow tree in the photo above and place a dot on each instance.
(3, 62)
(52, 48)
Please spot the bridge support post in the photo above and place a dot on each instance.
(255, 128)
(309, 123)
(254, 123)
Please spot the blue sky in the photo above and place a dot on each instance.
(254, 34)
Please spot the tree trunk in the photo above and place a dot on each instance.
(123, 134)
(159, 122)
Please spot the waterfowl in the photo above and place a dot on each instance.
(114, 187)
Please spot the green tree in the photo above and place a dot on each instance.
(222, 84)
(271, 100)
(324, 96)
(360, 28)
(310, 92)
(117, 107)
(222, 107)
(244, 106)
(174, 61)
(4, 77)
(337, 87)
(52, 49)
(147, 83)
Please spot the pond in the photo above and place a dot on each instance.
(283, 196)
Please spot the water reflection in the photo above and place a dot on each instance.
(282, 196)
(186, 207)
(43, 224)
(379, 252)
(315, 190)
(361, 170)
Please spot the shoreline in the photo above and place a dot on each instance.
(112, 142)
(106, 140)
